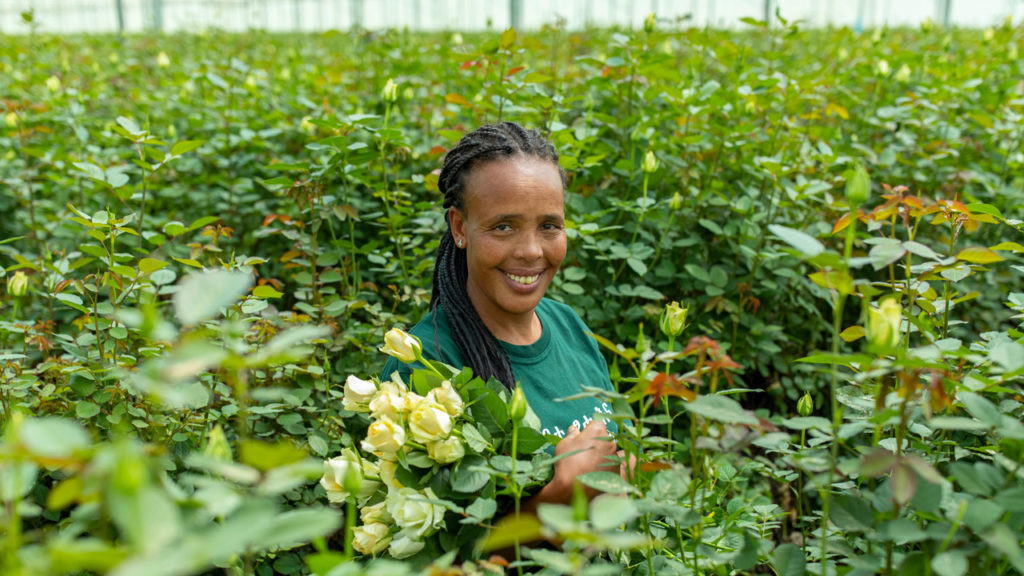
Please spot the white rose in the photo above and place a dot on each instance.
(429, 421)
(404, 546)
(410, 402)
(446, 451)
(376, 513)
(413, 513)
(384, 436)
(446, 396)
(371, 538)
(342, 474)
(358, 394)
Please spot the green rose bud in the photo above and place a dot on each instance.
(858, 185)
(673, 319)
(805, 406)
(17, 284)
(676, 202)
(650, 162)
(390, 91)
(517, 407)
(649, 23)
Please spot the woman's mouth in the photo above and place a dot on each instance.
(524, 280)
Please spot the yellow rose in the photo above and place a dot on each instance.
(358, 394)
(162, 60)
(388, 404)
(446, 451)
(429, 421)
(385, 436)
(370, 539)
(414, 513)
(53, 83)
(401, 345)
(446, 396)
(375, 513)
(387, 470)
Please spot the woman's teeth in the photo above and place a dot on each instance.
(523, 279)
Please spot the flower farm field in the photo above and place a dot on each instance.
(206, 238)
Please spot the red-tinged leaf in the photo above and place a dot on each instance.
(655, 466)
(469, 64)
(453, 98)
(843, 222)
(290, 255)
(924, 469)
(904, 483)
(877, 462)
(437, 151)
(978, 255)
(514, 70)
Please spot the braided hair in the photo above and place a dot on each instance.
(480, 349)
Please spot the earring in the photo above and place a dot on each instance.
(460, 242)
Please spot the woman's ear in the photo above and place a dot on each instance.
(457, 221)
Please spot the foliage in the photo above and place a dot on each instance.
(206, 237)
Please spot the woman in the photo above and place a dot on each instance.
(504, 195)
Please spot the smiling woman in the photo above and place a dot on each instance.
(504, 193)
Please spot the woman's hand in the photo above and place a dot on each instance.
(594, 452)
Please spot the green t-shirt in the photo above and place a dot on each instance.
(556, 366)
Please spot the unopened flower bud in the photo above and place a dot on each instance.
(53, 83)
(649, 23)
(676, 202)
(805, 406)
(162, 60)
(17, 284)
(650, 162)
(882, 67)
(884, 323)
(517, 407)
(390, 91)
(673, 319)
(858, 185)
(11, 119)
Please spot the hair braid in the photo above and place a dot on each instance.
(480, 349)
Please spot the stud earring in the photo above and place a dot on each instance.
(461, 242)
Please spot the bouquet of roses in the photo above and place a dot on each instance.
(430, 458)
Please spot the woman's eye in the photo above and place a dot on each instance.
(503, 228)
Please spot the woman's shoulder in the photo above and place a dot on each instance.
(559, 311)
(435, 334)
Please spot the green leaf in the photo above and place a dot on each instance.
(951, 563)
(903, 482)
(53, 437)
(85, 409)
(185, 146)
(885, 252)
(512, 529)
(979, 407)
(789, 560)
(480, 510)
(469, 476)
(609, 511)
(265, 456)
(608, 482)
(295, 527)
(508, 37)
(981, 514)
(808, 245)
(266, 291)
(147, 265)
(203, 295)
(852, 513)
(722, 409)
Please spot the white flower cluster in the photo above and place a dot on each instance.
(420, 427)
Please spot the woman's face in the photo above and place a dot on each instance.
(513, 228)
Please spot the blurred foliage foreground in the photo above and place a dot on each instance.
(206, 235)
